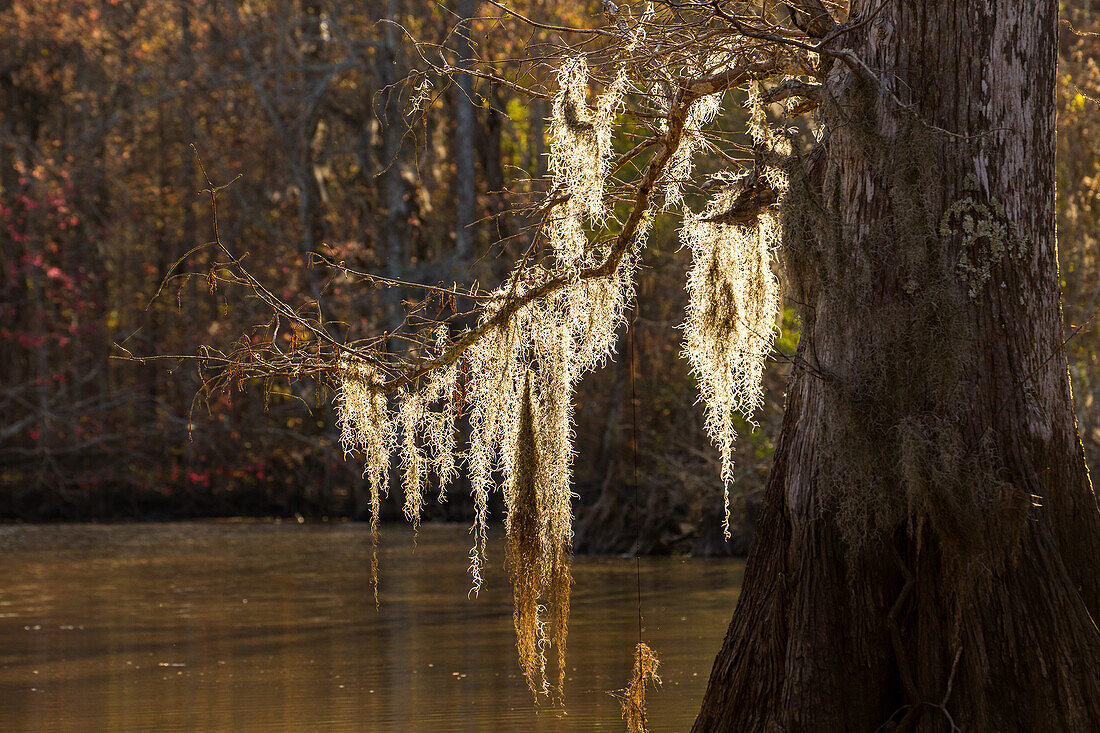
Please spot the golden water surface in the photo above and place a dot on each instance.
(263, 626)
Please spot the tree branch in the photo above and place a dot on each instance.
(691, 90)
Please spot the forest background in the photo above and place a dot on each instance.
(314, 104)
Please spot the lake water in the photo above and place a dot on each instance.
(250, 626)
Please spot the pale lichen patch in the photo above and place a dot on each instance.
(986, 233)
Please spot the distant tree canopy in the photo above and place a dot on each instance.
(100, 103)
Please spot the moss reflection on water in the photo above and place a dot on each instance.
(267, 626)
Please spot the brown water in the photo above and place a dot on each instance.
(272, 627)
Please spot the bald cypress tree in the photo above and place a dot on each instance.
(928, 550)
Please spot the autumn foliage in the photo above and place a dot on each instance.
(314, 104)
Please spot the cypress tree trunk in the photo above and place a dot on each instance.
(929, 552)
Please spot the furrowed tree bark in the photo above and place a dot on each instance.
(929, 550)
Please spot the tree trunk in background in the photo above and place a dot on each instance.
(310, 200)
(465, 137)
(390, 72)
(187, 184)
(930, 545)
(492, 160)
